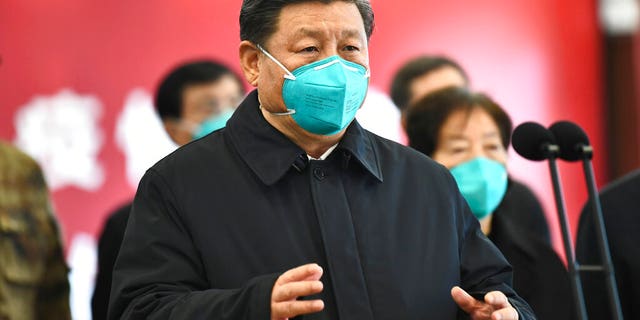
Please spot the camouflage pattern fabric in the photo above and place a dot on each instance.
(33, 273)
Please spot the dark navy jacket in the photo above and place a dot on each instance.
(215, 223)
(620, 203)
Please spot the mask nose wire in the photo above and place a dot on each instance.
(289, 75)
(367, 73)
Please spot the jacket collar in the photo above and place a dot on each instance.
(270, 154)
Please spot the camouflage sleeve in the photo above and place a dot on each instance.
(53, 293)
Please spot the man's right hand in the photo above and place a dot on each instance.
(298, 282)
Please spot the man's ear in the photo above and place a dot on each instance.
(249, 54)
(171, 128)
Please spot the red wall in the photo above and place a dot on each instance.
(539, 59)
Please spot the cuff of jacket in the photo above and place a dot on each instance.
(260, 307)
(523, 309)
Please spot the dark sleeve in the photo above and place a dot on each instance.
(483, 267)
(159, 273)
(108, 248)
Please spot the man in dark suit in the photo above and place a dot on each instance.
(621, 213)
(293, 209)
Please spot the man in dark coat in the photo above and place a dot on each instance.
(294, 210)
(620, 210)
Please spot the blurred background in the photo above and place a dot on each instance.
(77, 77)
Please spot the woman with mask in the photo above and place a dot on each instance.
(469, 134)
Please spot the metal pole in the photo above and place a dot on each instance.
(576, 285)
(601, 233)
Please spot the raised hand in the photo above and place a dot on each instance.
(495, 306)
(298, 282)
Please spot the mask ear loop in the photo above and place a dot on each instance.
(288, 75)
(286, 113)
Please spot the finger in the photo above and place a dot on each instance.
(497, 299)
(465, 301)
(505, 314)
(310, 271)
(293, 290)
(291, 309)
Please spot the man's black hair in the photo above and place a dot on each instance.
(168, 99)
(415, 68)
(259, 18)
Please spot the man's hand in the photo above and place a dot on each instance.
(495, 305)
(298, 282)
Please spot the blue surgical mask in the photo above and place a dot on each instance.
(323, 97)
(483, 183)
(212, 124)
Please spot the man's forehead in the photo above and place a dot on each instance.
(306, 18)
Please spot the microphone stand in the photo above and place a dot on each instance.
(601, 234)
(552, 152)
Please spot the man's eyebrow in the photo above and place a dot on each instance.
(351, 33)
(304, 31)
(308, 32)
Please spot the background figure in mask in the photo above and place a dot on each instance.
(425, 74)
(422, 75)
(469, 134)
(192, 100)
(197, 98)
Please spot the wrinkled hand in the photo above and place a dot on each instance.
(297, 282)
(495, 306)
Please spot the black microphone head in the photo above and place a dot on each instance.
(570, 138)
(530, 140)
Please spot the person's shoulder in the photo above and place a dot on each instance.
(395, 151)
(519, 187)
(522, 196)
(628, 184)
(507, 232)
(619, 199)
(120, 215)
(200, 151)
(394, 156)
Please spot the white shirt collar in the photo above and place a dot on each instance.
(325, 154)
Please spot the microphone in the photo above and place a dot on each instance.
(572, 140)
(535, 142)
(574, 145)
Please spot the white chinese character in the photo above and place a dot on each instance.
(61, 132)
(141, 135)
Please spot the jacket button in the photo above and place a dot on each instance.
(319, 173)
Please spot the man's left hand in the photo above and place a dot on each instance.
(495, 306)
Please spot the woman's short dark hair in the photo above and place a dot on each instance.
(168, 99)
(259, 18)
(426, 116)
(415, 68)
